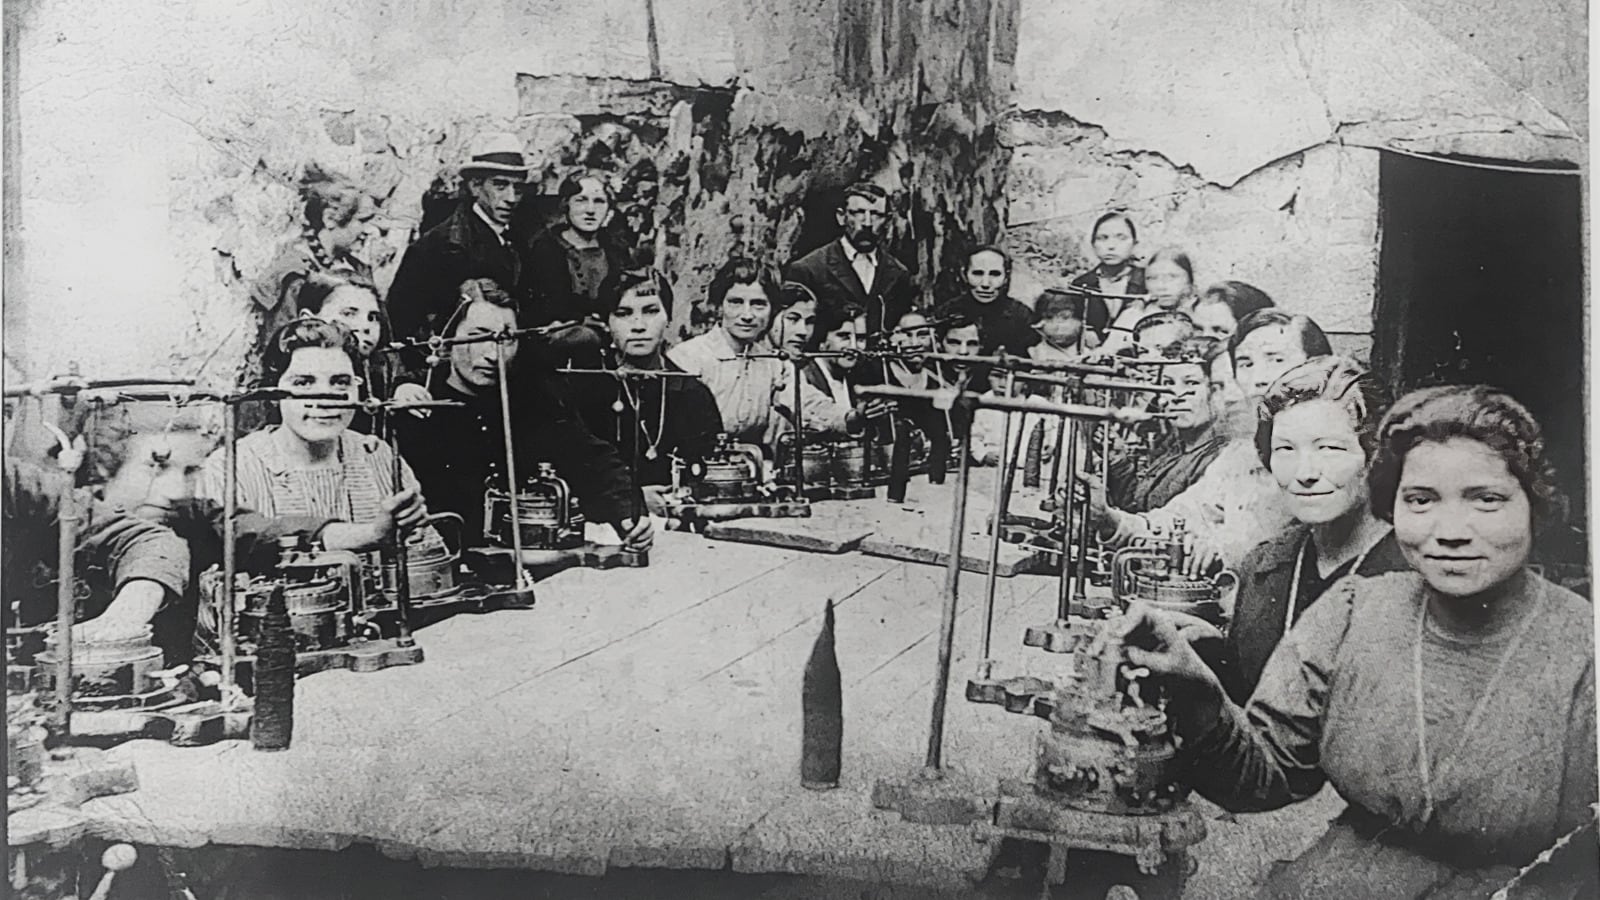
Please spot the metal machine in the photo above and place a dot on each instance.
(730, 482)
(1104, 776)
(1154, 574)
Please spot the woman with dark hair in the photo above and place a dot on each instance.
(1452, 707)
(312, 464)
(1235, 505)
(749, 391)
(1006, 323)
(794, 318)
(1317, 429)
(1224, 305)
(1113, 239)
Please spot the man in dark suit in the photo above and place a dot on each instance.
(472, 243)
(856, 269)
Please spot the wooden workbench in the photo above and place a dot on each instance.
(634, 718)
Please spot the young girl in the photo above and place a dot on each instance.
(1169, 276)
(312, 464)
(1060, 324)
(1113, 238)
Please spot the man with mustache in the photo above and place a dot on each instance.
(856, 269)
(474, 242)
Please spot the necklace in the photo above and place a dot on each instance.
(1299, 563)
(636, 401)
(1446, 759)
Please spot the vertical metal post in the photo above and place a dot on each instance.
(66, 599)
(230, 562)
(799, 442)
(511, 462)
(1003, 475)
(397, 543)
(1069, 427)
(947, 618)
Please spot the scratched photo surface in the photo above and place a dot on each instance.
(819, 448)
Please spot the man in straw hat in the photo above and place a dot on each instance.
(472, 243)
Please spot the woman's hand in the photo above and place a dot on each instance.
(1161, 642)
(637, 534)
(405, 509)
(413, 393)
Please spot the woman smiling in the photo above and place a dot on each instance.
(1452, 707)
(312, 464)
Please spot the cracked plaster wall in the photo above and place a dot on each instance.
(159, 141)
(1304, 228)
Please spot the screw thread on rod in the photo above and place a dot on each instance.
(230, 561)
(66, 601)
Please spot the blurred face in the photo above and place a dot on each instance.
(986, 276)
(745, 311)
(1263, 355)
(1167, 283)
(1154, 338)
(348, 238)
(588, 209)
(1061, 330)
(320, 370)
(792, 328)
(1213, 319)
(497, 195)
(158, 472)
(356, 309)
(1191, 404)
(847, 338)
(1229, 406)
(473, 365)
(1318, 462)
(863, 221)
(1462, 519)
(910, 336)
(1113, 243)
(638, 324)
(962, 341)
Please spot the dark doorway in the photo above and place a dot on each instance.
(1480, 280)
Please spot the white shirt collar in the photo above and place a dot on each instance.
(498, 229)
(850, 252)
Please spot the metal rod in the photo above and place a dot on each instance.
(614, 372)
(1081, 574)
(947, 617)
(799, 442)
(230, 561)
(397, 544)
(1064, 599)
(1020, 404)
(1096, 383)
(1003, 475)
(511, 465)
(1022, 363)
(66, 600)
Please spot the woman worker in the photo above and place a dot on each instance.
(1452, 707)
(1318, 426)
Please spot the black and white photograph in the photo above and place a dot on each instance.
(797, 450)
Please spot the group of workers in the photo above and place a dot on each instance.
(1447, 693)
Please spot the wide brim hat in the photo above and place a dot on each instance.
(496, 151)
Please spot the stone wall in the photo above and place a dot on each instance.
(158, 143)
(1304, 228)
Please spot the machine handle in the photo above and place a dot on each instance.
(460, 528)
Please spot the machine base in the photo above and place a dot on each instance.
(473, 598)
(720, 511)
(495, 562)
(840, 492)
(933, 797)
(188, 725)
(1057, 637)
(1153, 841)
